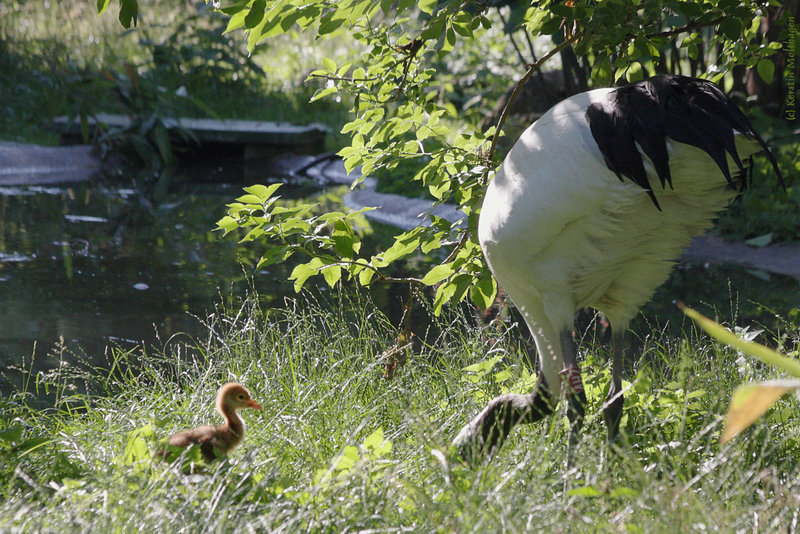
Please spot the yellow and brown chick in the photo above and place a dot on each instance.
(216, 441)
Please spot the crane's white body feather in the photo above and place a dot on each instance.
(562, 231)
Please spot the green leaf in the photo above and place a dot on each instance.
(634, 72)
(102, 5)
(426, 6)
(377, 445)
(12, 434)
(332, 274)
(329, 64)
(343, 238)
(693, 50)
(136, 448)
(453, 289)
(301, 273)
(249, 199)
(462, 29)
(533, 19)
(262, 192)
(404, 245)
(161, 138)
(483, 292)
(690, 9)
(435, 28)
(347, 460)
(322, 93)
(128, 13)
(366, 276)
(551, 26)
(766, 69)
(227, 224)
(256, 14)
(275, 255)
(29, 445)
(330, 22)
(444, 293)
(483, 367)
(438, 273)
(236, 22)
(731, 28)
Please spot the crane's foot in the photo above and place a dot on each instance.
(485, 434)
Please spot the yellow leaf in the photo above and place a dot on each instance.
(749, 402)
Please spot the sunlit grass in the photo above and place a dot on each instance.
(338, 447)
(178, 47)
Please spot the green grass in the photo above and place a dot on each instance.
(178, 46)
(339, 448)
(765, 209)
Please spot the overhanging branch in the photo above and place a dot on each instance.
(532, 68)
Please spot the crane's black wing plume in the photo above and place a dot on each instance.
(687, 110)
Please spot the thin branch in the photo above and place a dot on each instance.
(343, 78)
(677, 31)
(461, 242)
(532, 67)
(530, 45)
(511, 37)
(408, 305)
(380, 276)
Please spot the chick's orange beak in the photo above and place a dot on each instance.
(254, 405)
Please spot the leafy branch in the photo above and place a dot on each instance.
(401, 113)
(696, 25)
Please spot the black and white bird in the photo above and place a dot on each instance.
(591, 208)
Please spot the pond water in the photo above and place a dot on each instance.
(90, 265)
(86, 266)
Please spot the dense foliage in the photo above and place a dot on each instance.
(400, 113)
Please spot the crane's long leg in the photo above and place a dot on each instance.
(612, 409)
(488, 430)
(576, 396)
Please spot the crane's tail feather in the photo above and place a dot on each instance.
(688, 110)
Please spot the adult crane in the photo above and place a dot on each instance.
(591, 208)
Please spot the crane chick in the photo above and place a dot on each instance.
(216, 441)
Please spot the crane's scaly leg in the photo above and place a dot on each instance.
(489, 429)
(573, 385)
(612, 409)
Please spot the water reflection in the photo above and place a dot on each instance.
(90, 266)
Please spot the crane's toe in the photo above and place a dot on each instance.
(468, 445)
(489, 429)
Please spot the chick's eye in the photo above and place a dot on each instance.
(241, 396)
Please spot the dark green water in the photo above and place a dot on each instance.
(92, 266)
